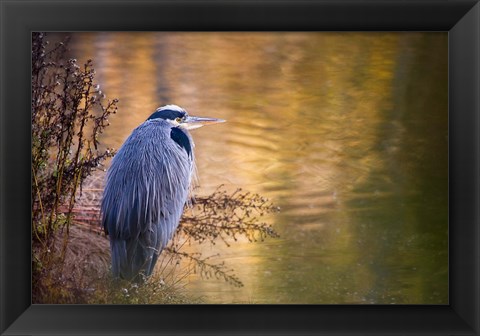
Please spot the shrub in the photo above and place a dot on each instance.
(69, 112)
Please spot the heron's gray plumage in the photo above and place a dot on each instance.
(146, 189)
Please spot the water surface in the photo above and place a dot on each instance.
(345, 132)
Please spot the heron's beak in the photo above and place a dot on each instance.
(197, 122)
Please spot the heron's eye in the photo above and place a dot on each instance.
(178, 120)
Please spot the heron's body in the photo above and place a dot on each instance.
(147, 186)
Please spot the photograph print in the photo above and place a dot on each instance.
(240, 168)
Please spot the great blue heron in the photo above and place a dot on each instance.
(146, 189)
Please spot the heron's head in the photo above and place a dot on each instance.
(177, 116)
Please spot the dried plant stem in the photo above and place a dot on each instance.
(68, 115)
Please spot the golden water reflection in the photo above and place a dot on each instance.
(346, 132)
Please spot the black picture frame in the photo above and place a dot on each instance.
(460, 18)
